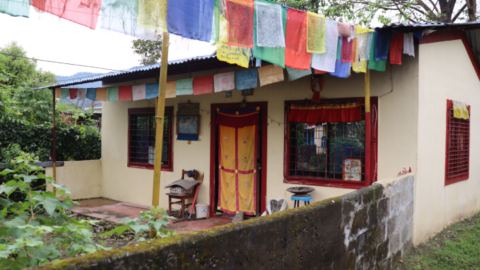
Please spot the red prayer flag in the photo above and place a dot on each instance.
(203, 85)
(73, 93)
(240, 23)
(84, 12)
(316, 71)
(125, 93)
(396, 49)
(347, 50)
(296, 55)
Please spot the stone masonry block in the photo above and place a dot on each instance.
(383, 209)
(391, 225)
(394, 243)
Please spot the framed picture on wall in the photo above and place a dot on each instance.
(352, 169)
(188, 124)
(247, 92)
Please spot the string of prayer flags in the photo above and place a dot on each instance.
(274, 55)
(124, 93)
(64, 93)
(82, 93)
(396, 49)
(295, 74)
(247, 79)
(190, 19)
(152, 14)
(91, 93)
(184, 87)
(343, 29)
(215, 21)
(382, 43)
(347, 50)
(16, 8)
(171, 90)
(240, 22)
(78, 11)
(58, 93)
(270, 74)
(151, 90)
(269, 25)
(139, 91)
(112, 94)
(203, 85)
(73, 93)
(231, 54)
(224, 81)
(342, 69)
(315, 33)
(408, 47)
(296, 55)
(101, 94)
(326, 61)
(378, 65)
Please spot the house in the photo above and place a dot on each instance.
(412, 124)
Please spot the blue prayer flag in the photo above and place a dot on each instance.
(247, 79)
(382, 43)
(91, 93)
(190, 18)
(418, 35)
(151, 90)
(342, 69)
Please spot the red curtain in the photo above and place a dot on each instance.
(237, 119)
(326, 111)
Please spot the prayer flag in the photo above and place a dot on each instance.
(82, 93)
(124, 93)
(91, 93)
(231, 54)
(270, 74)
(295, 74)
(362, 41)
(240, 23)
(342, 69)
(369, 44)
(348, 54)
(274, 55)
(224, 81)
(73, 93)
(316, 71)
(112, 94)
(315, 33)
(203, 85)
(382, 43)
(15, 7)
(216, 21)
(374, 64)
(171, 90)
(101, 94)
(152, 14)
(78, 11)
(408, 47)
(418, 35)
(190, 19)
(58, 93)
(139, 91)
(296, 55)
(65, 93)
(184, 87)
(151, 90)
(326, 61)
(396, 49)
(247, 79)
(269, 25)
(343, 29)
(460, 110)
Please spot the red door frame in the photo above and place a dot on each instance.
(213, 149)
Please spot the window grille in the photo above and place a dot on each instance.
(458, 148)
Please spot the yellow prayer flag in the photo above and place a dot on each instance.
(359, 66)
(270, 74)
(460, 110)
(171, 90)
(230, 54)
(58, 93)
(152, 14)
(362, 30)
(101, 94)
(315, 33)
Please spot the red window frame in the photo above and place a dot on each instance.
(373, 130)
(169, 112)
(456, 127)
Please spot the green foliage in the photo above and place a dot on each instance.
(150, 51)
(147, 221)
(37, 231)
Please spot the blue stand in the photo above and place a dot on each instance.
(305, 198)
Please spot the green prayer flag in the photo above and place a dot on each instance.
(15, 7)
(184, 87)
(339, 48)
(294, 74)
(65, 93)
(274, 55)
(376, 65)
(216, 21)
(112, 94)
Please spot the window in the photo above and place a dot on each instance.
(141, 138)
(316, 153)
(457, 148)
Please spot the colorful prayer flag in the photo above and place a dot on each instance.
(374, 64)
(343, 29)
(231, 54)
(91, 93)
(315, 33)
(348, 54)
(184, 87)
(295, 74)
(342, 69)
(151, 90)
(224, 81)
(82, 93)
(296, 55)
(139, 91)
(270, 74)
(203, 85)
(171, 90)
(326, 61)
(247, 79)
(190, 19)
(152, 14)
(58, 93)
(101, 94)
(124, 93)
(382, 43)
(15, 8)
(269, 25)
(240, 23)
(408, 47)
(73, 93)
(65, 93)
(396, 49)
(216, 21)
(78, 11)
(112, 94)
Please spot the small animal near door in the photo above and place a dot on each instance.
(238, 138)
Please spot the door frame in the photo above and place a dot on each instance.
(213, 149)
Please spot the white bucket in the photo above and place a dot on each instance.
(201, 210)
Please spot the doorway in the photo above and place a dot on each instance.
(261, 160)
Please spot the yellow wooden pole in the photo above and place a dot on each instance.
(368, 129)
(159, 119)
(367, 91)
(54, 157)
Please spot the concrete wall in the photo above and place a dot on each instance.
(397, 143)
(369, 228)
(446, 72)
(82, 178)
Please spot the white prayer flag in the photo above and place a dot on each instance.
(224, 81)
(269, 25)
(326, 61)
(408, 47)
(139, 92)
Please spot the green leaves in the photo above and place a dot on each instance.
(118, 230)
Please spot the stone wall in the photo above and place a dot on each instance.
(370, 228)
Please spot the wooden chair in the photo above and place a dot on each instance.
(182, 197)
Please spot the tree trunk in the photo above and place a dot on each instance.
(472, 9)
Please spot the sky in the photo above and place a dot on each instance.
(45, 36)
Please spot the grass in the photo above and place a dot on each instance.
(456, 247)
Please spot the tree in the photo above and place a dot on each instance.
(150, 51)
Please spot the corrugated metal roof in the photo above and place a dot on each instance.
(473, 37)
(132, 70)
